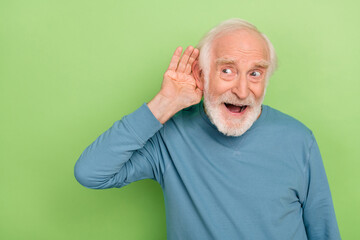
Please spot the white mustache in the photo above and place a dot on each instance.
(231, 98)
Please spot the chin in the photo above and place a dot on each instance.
(228, 121)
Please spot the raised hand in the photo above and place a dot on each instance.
(178, 89)
(179, 83)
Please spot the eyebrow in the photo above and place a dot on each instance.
(260, 64)
(220, 61)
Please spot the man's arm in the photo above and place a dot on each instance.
(127, 151)
(319, 215)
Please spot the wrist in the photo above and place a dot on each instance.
(163, 107)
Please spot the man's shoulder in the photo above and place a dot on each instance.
(282, 121)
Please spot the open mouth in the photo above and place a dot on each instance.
(235, 108)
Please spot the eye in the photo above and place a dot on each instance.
(255, 73)
(227, 70)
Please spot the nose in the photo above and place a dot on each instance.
(241, 88)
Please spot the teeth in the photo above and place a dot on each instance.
(238, 105)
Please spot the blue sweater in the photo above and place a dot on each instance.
(269, 183)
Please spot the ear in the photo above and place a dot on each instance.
(198, 74)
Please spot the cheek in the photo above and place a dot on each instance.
(257, 89)
(218, 86)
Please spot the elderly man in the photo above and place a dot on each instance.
(230, 167)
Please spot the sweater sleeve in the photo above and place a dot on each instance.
(125, 153)
(319, 214)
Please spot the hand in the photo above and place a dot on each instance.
(179, 85)
(178, 89)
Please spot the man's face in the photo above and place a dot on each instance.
(235, 86)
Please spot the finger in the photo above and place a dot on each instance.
(192, 58)
(175, 59)
(184, 59)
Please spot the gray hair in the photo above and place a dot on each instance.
(229, 26)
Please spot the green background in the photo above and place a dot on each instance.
(69, 69)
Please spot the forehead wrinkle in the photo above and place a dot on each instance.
(235, 50)
(256, 57)
(260, 64)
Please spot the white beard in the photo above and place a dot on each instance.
(231, 126)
